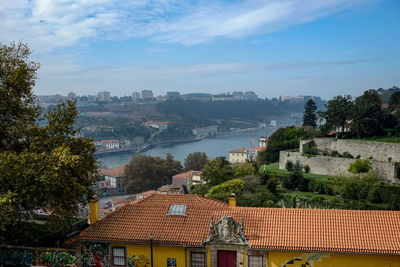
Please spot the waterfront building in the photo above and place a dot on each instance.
(239, 155)
(205, 131)
(107, 144)
(193, 231)
(161, 125)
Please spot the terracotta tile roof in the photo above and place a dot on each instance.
(258, 147)
(239, 150)
(117, 171)
(187, 174)
(355, 231)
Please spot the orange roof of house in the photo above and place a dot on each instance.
(258, 147)
(117, 171)
(187, 174)
(239, 150)
(354, 231)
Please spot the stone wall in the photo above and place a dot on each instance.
(336, 166)
(380, 151)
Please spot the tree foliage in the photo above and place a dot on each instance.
(368, 117)
(146, 172)
(338, 112)
(196, 161)
(360, 166)
(217, 171)
(41, 167)
(243, 169)
(310, 115)
(283, 139)
(394, 104)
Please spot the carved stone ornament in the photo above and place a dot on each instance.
(226, 231)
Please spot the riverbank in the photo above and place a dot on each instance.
(217, 146)
(146, 147)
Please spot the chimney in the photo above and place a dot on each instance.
(94, 209)
(232, 200)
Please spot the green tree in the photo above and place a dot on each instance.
(41, 167)
(243, 169)
(283, 139)
(368, 117)
(18, 109)
(217, 171)
(310, 115)
(394, 104)
(223, 191)
(196, 161)
(146, 172)
(338, 112)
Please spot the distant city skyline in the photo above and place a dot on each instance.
(274, 48)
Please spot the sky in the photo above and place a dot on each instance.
(272, 47)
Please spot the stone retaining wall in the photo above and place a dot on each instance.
(336, 166)
(380, 151)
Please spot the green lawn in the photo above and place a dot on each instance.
(274, 168)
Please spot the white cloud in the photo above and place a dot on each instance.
(49, 24)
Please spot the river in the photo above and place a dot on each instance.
(213, 147)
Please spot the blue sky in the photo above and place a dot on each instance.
(272, 47)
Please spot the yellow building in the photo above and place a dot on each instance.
(192, 231)
(238, 155)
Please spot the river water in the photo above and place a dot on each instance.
(213, 147)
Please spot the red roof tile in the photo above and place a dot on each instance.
(117, 171)
(239, 150)
(187, 174)
(357, 231)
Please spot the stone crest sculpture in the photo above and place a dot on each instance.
(226, 231)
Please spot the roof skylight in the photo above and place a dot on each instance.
(177, 209)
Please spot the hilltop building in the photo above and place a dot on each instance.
(103, 96)
(239, 155)
(190, 230)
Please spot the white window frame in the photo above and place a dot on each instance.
(118, 257)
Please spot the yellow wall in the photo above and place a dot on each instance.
(273, 259)
(160, 254)
(237, 157)
(276, 259)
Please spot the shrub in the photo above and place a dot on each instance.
(289, 165)
(347, 155)
(271, 185)
(360, 166)
(306, 169)
(334, 153)
(358, 156)
(390, 159)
